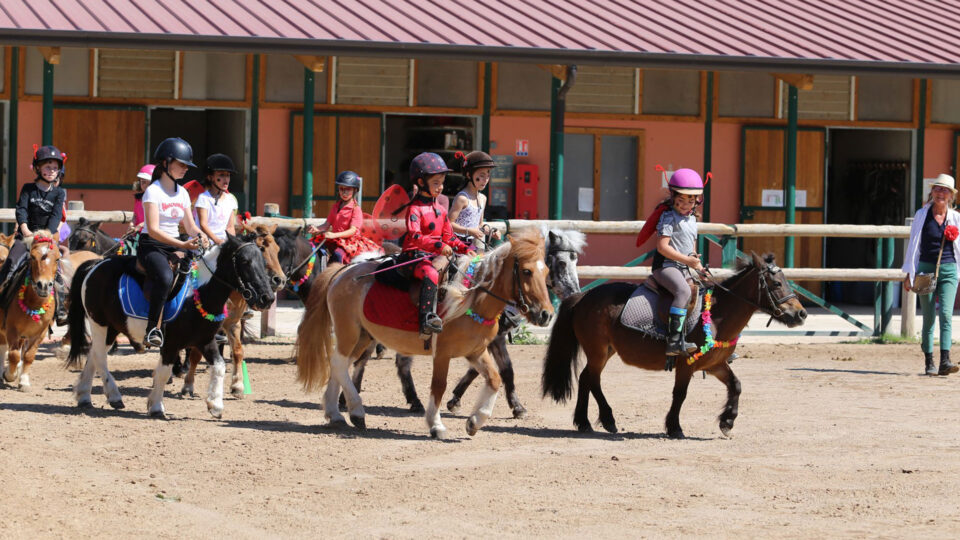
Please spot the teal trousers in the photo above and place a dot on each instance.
(945, 295)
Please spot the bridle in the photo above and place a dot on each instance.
(769, 272)
(93, 242)
(521, 303)
(244, 289)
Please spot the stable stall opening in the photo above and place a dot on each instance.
(867, 184)
(408, 135)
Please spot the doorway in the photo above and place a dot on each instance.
(208, 131)
(868, 181)
(408, 135)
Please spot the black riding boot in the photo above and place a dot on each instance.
(931, 368)
(676, 345)
(60, 289)
(946, 366)
(430, 322)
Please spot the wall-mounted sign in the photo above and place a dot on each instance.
(523, 147)
(774, 198)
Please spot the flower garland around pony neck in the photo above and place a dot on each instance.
(468, 283)
(33, 313)
(306, 275)
(194, 273)
(709, 342)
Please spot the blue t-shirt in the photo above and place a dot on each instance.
(930, 237)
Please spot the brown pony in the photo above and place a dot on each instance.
(262, 236)
(6, 242)
(514, 272)
(591, 321)
(30, 311)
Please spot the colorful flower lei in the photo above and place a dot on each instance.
(306, 275)
(471, 269)
(709, 343)
(194, 273)
(33, 313)
(485, 322)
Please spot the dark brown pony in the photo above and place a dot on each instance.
(591, 321)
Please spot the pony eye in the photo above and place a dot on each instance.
(527, 272)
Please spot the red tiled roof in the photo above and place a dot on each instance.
(916, 36)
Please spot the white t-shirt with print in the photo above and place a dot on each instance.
(172, 208)
(218, 212)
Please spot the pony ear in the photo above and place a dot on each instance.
(96, 226)
(272, 228)
(552, 237)
(83, 221)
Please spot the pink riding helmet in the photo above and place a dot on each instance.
(686, 181)
(146, 172)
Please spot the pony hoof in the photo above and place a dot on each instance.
(118, 404)
(519, 411)
(85, 404)
(472, 427)
(25, 388)
(358, 422)
(159, 415)
(337, 424)
(417, 407)
(237, 393)
(585, 428)
(676, 434)
(453, 405)
(439, 434)
(215, 412)
(726, 429)
(611, 427)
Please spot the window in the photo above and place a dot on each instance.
(447, 83)
(671, 92)
(214, 76)
(829, 99)
(944, 106)
(71, 77)
(610, 191)
(283, 80)
(746, 94)
(137, 73)
(523, 87)
(600, 89)
(372, 81)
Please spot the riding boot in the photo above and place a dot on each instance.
(60, 289)
(676, 345)
(946, 366)
(931, 368)
(430, 322)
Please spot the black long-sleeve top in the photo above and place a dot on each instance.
(40, 209)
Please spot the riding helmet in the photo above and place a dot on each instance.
(427, 164)
(477, 160)
(44, 153)
(349, 179)
(219, 162)
(686, 181)
(174, 148)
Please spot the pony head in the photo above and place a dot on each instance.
(262, 236)
(44, 259)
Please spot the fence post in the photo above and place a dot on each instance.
(271, 209)
(908, 314)
(877, 293)
(268, 317)
(728, 247)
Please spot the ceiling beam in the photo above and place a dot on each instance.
(50, 54)
(313, 63)
(557, 70)
(802, 81)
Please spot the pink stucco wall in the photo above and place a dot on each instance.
(273, 165)
(938, 152)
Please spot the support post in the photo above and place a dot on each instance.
(11, 194)
(703, 247)
(46, 136)
(556, 150)
(878, 293)
(487, 101)
(308, 90)
(790, 172)
(728, 247)
(268, 321)
(908, 314)
(921, 139)
(251, 202)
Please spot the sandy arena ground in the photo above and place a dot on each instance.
(832, 440)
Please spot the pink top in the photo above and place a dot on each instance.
(138, 216)
(343, 216)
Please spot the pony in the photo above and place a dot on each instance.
(6, 242)
(94, 302)
(262, 236)
(591, 321)
(28, 308)
(514, 272)
(87, 236)
(563, 248)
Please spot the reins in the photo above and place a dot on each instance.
(762, 287)
(523, 307)
(245, 291)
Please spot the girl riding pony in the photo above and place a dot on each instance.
(466, 213)
(345, 221)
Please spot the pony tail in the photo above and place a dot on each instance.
(560, 362)
(77, 317)
(314, 344)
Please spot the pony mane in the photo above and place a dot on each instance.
(526, 243)
(577, 239)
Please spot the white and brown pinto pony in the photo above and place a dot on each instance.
(28, 309)
(512, 273)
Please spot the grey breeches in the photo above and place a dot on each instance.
(673, 279)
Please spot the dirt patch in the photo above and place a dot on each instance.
(832, 440)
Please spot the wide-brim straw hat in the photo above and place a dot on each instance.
(947, 181)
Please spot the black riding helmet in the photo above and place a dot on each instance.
(477, 160)
(349, 179)
(174, 148)
(219, 162)
(43, 153)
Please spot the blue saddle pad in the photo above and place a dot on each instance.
(135, 304)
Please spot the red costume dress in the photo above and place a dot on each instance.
(428, 229)
(343, 216)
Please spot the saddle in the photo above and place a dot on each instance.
(394, 298)
(665, 297)
(648, 307)
(131, 289)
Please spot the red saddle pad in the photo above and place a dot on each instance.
(391, 307)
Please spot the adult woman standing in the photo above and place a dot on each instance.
(930, 252)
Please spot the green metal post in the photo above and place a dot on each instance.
(307, 143)
(702, 246)
(556, 150)
(877, 295)
(46, 136)
(921, 133)
(790, 173)
(487, 100)
(14, 124)
(887, 286)
(728, 250)
(251, 197)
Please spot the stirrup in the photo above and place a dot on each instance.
(221, 337)
(431, 324)
(154, 338)
(247, 315)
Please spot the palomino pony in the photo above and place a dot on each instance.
(591, 321)
(563, 249)
(235, 265)
(512, 273)
(28, 309)
(262, 236)
(6, 242)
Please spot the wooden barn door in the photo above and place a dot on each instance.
(340, 142)
(762, 191)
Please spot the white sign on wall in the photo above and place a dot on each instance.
(774, 198)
